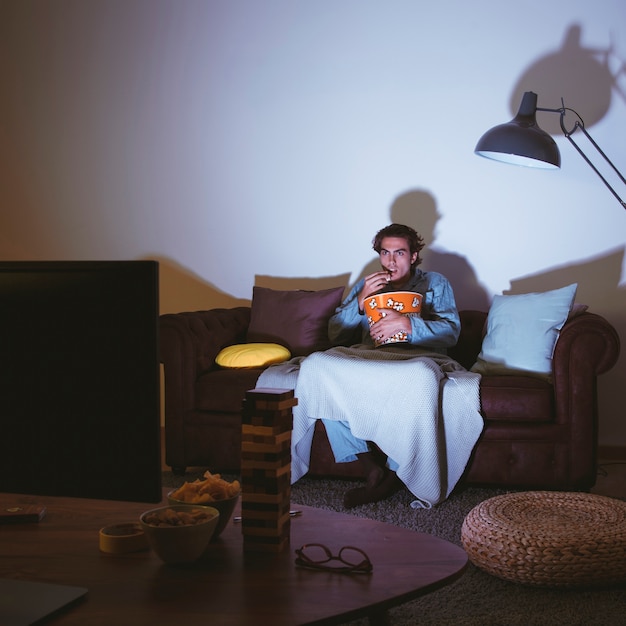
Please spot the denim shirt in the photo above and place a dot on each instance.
(436, 328)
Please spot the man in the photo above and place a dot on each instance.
(407, 411)
(434, 329)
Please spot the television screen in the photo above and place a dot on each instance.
(79, 379)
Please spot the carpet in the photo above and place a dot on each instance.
(477, 598)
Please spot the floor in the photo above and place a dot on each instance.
(611, 479)
(611, 475)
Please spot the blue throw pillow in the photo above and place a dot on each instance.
(522, 331)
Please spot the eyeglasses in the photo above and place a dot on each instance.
(318, 556)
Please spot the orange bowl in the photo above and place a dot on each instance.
(402, 301)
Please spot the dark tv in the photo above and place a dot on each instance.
(79, 379)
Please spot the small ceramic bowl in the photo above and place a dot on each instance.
(401, 301)
(225, 508)
(182, 541)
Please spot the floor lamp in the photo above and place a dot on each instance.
(522, 142)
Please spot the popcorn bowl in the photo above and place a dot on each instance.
(401, 301)
(179, 533)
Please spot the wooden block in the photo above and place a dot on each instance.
(275, 502)
(282, 458)
(270, 405)
(255, 473)
(252, 409)
(270, 399)
(268, 485)
(264, 498)
(264, 461)
(253, 436)
(272, 530)
(283, 420)
(267, 421)
(264, 513)
(269, 393)
(273, 446)
(266, 521)
(271, 430)
(264, 510)
(266, 532)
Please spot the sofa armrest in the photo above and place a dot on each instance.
(588, 346)
(196, 337)
(189, 343)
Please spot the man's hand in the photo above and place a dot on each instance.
(387, 326)
(373, 283)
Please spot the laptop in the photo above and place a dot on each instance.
(23, 603)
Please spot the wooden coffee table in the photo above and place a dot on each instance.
(230, 586)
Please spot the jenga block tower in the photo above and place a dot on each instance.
(267, 421)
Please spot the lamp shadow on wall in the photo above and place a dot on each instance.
(418, 209)
(586, 79)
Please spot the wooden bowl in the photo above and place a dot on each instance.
(225, 508)
(183, 543)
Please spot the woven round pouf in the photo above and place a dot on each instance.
(549, 538)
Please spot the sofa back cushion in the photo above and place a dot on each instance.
(296, 319)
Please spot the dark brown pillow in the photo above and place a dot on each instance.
(297, 320)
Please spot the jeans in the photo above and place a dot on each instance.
(345, 445)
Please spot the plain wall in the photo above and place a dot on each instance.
(244, 142)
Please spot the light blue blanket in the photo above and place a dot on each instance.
(421, 408)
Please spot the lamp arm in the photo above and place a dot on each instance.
(593, 167)
(579, 124)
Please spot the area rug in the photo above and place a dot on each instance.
(477, 598)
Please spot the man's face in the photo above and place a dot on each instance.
(396, 258)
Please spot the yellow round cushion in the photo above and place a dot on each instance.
(252, 355)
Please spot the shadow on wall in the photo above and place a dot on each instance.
(181, 290)
(306, 284)
(584, 77)
(417, 208)
(598, 282)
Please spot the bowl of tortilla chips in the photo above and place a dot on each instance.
(211, 490)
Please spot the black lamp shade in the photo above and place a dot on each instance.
(521, 141)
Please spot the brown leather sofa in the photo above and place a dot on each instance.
(537, 434)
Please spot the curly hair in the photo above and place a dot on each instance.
(411, 236)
